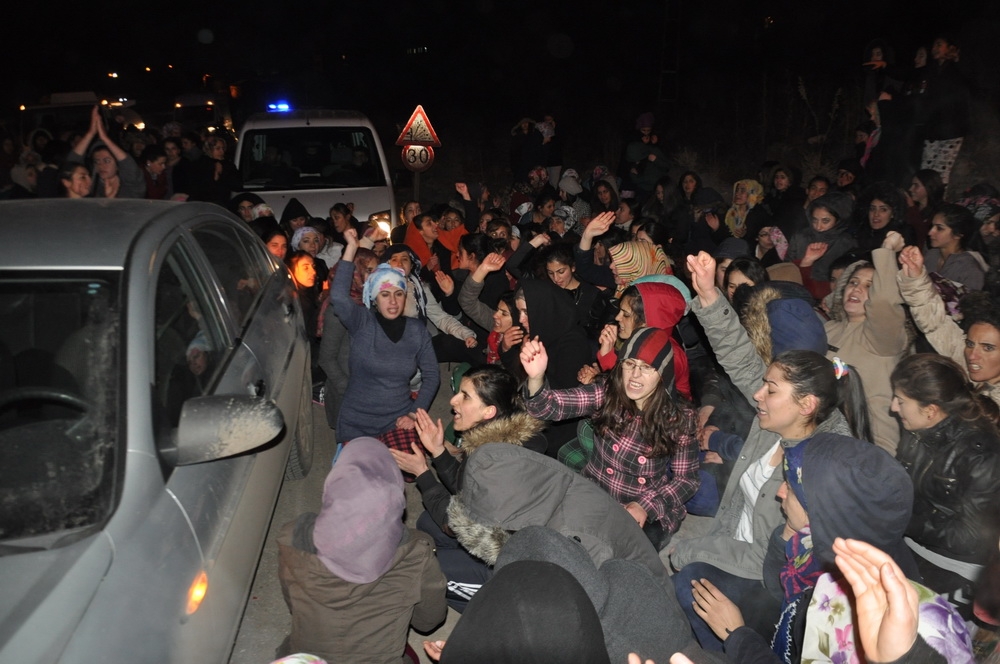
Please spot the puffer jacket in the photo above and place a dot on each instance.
(507, 487)
(518, 429)
(955, 466)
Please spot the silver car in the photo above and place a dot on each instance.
(154, 390)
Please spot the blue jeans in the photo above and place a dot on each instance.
(733, 587)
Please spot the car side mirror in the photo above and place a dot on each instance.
(219, 426)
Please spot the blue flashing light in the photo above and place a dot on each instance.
(279, 107)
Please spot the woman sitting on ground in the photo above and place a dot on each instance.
(645, 453)
(486, 409)
(833, 486)
(801, 395)
(952, 228)
(869, 331)
(951, 449)
(977, 348)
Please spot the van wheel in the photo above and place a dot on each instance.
(301, 455)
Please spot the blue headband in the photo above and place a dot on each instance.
(385, 276)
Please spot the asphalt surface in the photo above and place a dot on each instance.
(267, 622)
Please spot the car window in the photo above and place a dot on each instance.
(237, 264)
(191, 340)
(58, 402)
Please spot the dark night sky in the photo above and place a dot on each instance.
(491, 59)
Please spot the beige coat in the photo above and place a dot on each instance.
(941, 331)
(875, 345)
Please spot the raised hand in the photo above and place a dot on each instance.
(599, 224)
(463, 190)
(886, 604)
(894, 241)
(607, 338)
(445, 282)
(912, 261)
(512, 337)
(702, 269)
(535, 360)
(431, 433)
(813, 253)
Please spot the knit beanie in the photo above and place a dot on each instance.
(383, 278)
(360, 525)
(652, 346)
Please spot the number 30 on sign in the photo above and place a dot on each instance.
(417, 158)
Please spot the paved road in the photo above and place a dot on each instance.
(267, 622)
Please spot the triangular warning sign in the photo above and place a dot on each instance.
(418, 131)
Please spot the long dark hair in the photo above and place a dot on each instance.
(934, 185)
(959, 220)
(929, 378)
(497, 387)
(663, 418)
(811, 373)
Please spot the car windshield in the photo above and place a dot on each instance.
(59, 340)
(310, 158)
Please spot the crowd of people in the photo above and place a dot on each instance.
(792, 364)
(816, 370)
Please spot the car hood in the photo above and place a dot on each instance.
(45, 594)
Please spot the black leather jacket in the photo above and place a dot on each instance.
(955, 467)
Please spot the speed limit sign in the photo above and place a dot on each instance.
(417, 158)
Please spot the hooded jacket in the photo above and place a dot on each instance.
(506, 488)
(663, 306)
(519, 429)
(874, 345)
(636, 614)
(838, 239)
(553, 319)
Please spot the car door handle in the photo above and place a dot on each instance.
(257, 389)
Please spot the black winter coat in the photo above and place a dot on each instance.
(955, 467)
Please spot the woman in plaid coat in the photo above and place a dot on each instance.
(645, 451)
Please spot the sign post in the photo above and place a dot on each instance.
(418, 140)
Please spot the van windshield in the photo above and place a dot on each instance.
(310, 158)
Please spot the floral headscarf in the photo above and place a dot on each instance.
(636, 259)
(736, 218)
(830, 620)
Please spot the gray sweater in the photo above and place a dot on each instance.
(378, 390)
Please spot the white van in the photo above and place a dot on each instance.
(320, 157)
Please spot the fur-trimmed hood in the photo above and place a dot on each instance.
(779, 316)
(517, 429)
(507, 488)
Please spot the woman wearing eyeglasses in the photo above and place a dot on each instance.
(645, 452)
